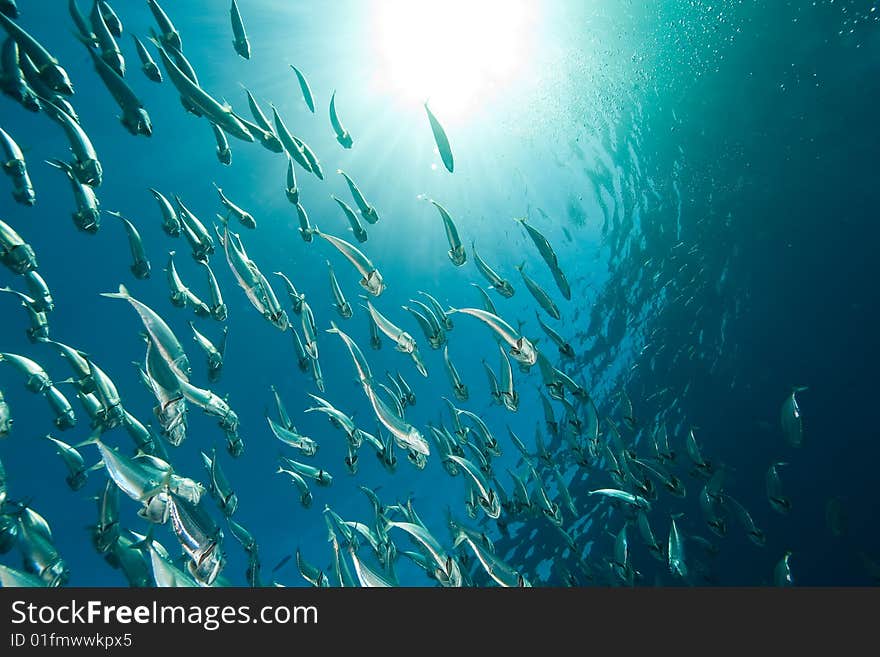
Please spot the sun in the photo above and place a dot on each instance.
(455, 53)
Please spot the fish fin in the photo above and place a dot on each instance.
(94, 468)
(122, 294)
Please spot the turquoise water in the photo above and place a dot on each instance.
(705, 172)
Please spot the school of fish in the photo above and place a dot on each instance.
(596, 472)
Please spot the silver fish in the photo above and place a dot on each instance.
(368, 212)
(440, 139)
(50, 71)
(140, 266)
(110, 53)
(459, 389)
(244, 217)
(456, 252)
(14, 166)
(342, 135)
(148, 64)
(224, 152)
(342, 306)
(87, 217)
(304, 87)
(539, 293)
(790, 418)
(778, 500)
(73, 461)
(371, 279)
(170, 220)
(500, 285)
(522, 350)
(240, 42)
(357, 229)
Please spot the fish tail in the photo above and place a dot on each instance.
(122, 294)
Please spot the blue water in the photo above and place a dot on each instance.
(746, 133)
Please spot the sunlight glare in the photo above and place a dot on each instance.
(455, 53)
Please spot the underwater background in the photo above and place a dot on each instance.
(705, 171)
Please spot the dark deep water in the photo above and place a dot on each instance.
(715, 167)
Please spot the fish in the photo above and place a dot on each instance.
(500, 285)
(488, 304)
(197, 236)
(444, 319)
(311, 158)
(368, 212)
(790, 418)
(219, 486)
(445, 568)
(778, 501)
(110, 53)
(459, 389)
(65, 418)
(140, 266)
(135, 117)
(293, 146)
(486, 496)
(105, 532)
(521, 348)
(199, 537)
(311, 574)
(14, 166)
(701, 465)
(359, 232)
(440, 139)
(406, 435)
(342, 306)
(648, 537)
(305, 494)
(5, 429)
(166, 343)
(37, 380)
(782, 572)
(290, 436)
(342, 135)
(214, 354)
(500, 571)
(290, 188)
(87, 217)
(14, 82)
(181, 295)
(148, 64)
(549, 256)
(240, 43)
(509, 395)
(39, 321)
(85, 166)
(306, 230)
(73, 461)
(170, 220)
(539, 294)
(244, 217)
(82, 24)
(39, 290)
(320, 476)
(434, 334)
(304, 87)
(675, 552)
(49, 69)
(221, 114)
(635, 501)
(218, 308)
(170, 35)
(224, 153)
(565, 349)
(754, 534)
(371, 279)
(456, 253)
(296, 298)
(110, 18)
(365, 376)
